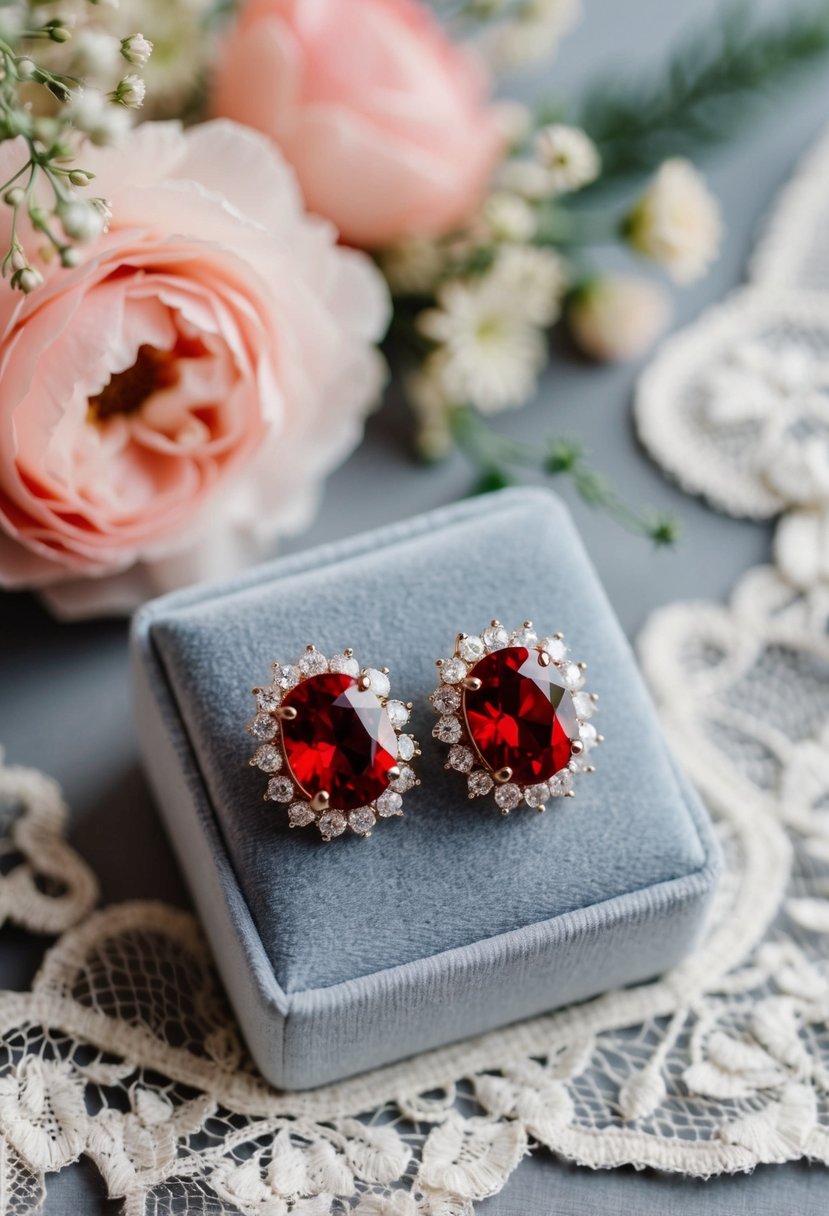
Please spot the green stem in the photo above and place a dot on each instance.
(495, 456)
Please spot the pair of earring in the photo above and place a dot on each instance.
(513, 712)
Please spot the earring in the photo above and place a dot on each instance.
(514, 715)
(332, 741)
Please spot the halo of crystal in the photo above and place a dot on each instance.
(380, 683)
(389, 804)
(280, 789)
(398, 713)
(479, 782)
(344, 664)
(405, 747)
(588, 735)
(300, 814)
(405, 781)
(332, 823)
(453, 671)
(268, 758)
(507, 796)
(362, 820)
(537, 795)
(268, 699)
(471, 649)
(583, 705)
(555, 648)
(495, 637)
(446, 700)
(312, 663)
(524, 636)
(461, 758)
(572, 676)
(447, 729)
(561, 783)
(286, 676)
(263, 727)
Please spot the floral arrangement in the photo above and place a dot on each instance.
(212, 214)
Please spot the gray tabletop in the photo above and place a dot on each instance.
(65, 691)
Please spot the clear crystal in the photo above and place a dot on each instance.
(583, 705)
(268, 758)
(286, 677)
(525, 636)
(588, 735)
(446, 700)
(404, 782)
(405, 747)
(267, 699)
(312, 663)
(398, 713)
(461, 758)
(495, 637)
(389, 804)
(479, 782)
(263, 727)
(380, 683)
(280, 789)
(555, 648)
(471, 649)
(562, 783)
(362, 820)
(571, 676)
(537, 795)
(507, 796)
(453, 671)
(300, 814)
(332, 823)
(344, 664)
(447, 729)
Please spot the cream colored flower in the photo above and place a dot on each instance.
(533, 32)
(509, 217)
(426, 393)
(525, 177)
(491, 356)
(412, 265)
(532, 282)
(569, 156)
(618, 318)
(677, 222)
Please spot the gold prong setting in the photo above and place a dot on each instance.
(457, 675)
(270, 756)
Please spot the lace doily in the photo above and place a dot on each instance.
(124, 1050)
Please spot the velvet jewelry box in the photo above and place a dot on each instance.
(451, 920)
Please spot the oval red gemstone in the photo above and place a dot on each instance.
(522, 717)
(341, 740)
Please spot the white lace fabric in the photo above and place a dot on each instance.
(125, 1051)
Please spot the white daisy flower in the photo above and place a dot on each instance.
(568, 155)
(677, 222)
(532, 282)
(491, 355)
(509, 217)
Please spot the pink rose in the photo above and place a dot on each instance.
(172, 404)
(382, 117)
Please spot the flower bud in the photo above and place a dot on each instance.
(617, 317)
(129, 92)
(80, 177)
(27, 280)
(70, 256)
(80, 221)
(15, 196)
(26, 69)
(60, 33)
(136, 50)
(19, 261)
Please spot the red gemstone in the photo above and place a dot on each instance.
(341, 740)
(522, 717)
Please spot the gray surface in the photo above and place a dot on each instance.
(64, 689)
(609, 889)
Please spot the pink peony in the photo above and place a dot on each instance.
(382, 117)
(171, 405)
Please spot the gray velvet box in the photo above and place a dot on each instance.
(452, 920)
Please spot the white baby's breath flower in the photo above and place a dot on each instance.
(104, 124)
(525, 177)
(509, 217)
(618, 317)
(412, 266)
(532, 32)
(136, 50)
(81, 221)
(531, 281)
(426, 392)
(492, 357)
(95, 55)
(677, 222)
(568, 155)
(130, 92)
